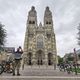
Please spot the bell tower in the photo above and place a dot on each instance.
(48, 22)
(32, 17)
(50, 41)
(30, 38)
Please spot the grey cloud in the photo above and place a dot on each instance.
(66, 16)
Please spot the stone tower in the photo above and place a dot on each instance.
(40, 42)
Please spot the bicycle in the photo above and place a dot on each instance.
(6, 66)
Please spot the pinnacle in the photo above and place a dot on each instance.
(47, 7)
(32, 8)
(40, 24)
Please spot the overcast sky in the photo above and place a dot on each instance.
(66, 17)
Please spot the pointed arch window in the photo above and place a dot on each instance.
(48, 22)
(31, 22)
(48, 35)
(40, 42)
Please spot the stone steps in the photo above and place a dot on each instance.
(38, 78)
(30, 73)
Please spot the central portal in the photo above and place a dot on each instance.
(40, 57)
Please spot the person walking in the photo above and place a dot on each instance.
(17, 60)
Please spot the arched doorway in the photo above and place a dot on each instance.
(40, 57)
(50, 58)
(29, 58)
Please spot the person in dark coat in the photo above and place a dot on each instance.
(17, 60)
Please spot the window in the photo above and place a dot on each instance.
(30, 35)
(48, 35)
(31, 22)
(48, 22)
(40, 42)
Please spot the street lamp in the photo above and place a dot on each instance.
(75, 61)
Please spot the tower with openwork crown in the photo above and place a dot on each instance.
(40, 42)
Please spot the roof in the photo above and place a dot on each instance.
(78, 51)
(9, 49)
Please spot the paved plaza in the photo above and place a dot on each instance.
(39, 73)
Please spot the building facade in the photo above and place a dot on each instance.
(6, 52)
(40, 42)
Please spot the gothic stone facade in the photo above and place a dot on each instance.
(40, 43)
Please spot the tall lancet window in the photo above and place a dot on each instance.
(40, 42)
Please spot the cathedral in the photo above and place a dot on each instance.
(40, 41)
